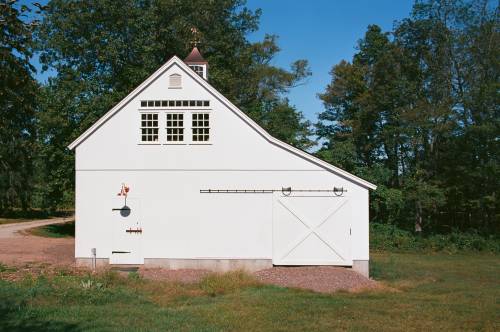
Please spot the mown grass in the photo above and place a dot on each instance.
(421, 292)
(66, 229)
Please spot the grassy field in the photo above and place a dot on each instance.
(66, 229)
(421, 292)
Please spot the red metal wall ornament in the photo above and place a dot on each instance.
(124, 190)
(124, 193)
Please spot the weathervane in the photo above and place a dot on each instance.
(196, 37)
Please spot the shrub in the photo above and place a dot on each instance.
(390, 237)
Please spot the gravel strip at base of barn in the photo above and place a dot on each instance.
(323, 279)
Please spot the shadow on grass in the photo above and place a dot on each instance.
(66, 229)
(14, 318)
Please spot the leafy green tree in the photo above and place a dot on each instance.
(17, 106)
(417, 112)
(463, 120)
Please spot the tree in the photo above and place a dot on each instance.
(17, 104)
(417, 112)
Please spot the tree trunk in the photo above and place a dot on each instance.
(418, 218)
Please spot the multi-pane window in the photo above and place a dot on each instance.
(149, 127)
(201, 127)
(174, 103)
(198, 70)
(175, 127)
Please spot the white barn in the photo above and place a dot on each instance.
(207, 187)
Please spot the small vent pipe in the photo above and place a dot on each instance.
(94, 258)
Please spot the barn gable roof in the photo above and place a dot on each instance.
(176, 61)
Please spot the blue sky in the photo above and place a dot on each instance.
(322, 31)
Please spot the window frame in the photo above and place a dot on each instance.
(188, 128)
(174, 104)
(158, 136)
(209, 127)
(182, 128)
(196, 69)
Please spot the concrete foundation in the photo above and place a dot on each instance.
(362, 267)
(87, 262)
(217, 265)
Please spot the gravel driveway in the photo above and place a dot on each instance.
(17, 248)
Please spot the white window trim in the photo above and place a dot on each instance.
(210, 132)
(188, 126)
(182, 107)
(175, 110)
(183, 142)
(141, 142)
(203, 70)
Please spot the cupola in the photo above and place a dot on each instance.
(196, 62)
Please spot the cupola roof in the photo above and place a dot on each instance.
(195, 58)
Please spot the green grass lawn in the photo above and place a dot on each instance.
(66, 229)
(443, 292)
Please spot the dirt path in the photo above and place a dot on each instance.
(8, 231)
(17, 248)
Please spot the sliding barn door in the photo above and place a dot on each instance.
(311, 230)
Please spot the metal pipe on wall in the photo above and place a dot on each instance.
(94, 258)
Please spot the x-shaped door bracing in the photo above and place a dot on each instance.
(310, 229)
